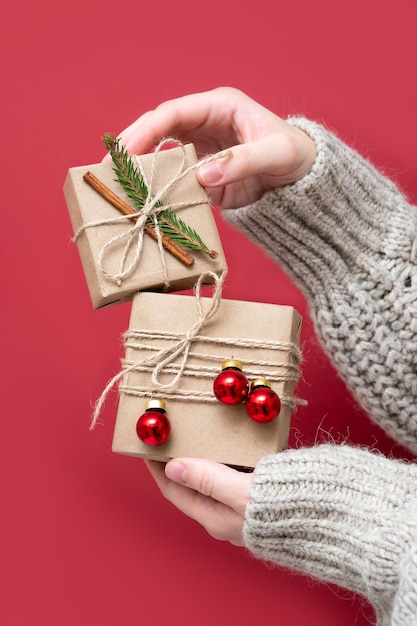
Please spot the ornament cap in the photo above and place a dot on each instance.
(155, 403)
(232, 363)
(261, 382)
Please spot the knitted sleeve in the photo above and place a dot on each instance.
(343, 515)
(347, 237)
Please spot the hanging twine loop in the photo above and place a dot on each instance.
(153, 205)
(166, 356)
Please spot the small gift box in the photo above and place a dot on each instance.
(175, 348)
(117, 255)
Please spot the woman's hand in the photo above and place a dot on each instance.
(210, 493)
(265, 152)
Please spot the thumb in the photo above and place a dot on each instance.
(242, 161)
(279, 158)
(213, 480)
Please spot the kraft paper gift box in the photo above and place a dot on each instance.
(86, 207)
(263, 337)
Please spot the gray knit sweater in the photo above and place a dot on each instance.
(348, 238)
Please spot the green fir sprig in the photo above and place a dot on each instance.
(136, 190)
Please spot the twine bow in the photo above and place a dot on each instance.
(165, 356)
(153, 205)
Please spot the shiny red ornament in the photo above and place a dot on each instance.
(153, 426)
(262, 404)
(231, 385)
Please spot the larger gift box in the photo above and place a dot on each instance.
(107, 243)
(263, 337)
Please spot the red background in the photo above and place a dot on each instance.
(86, 538)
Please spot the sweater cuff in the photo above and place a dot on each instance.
(340, 514)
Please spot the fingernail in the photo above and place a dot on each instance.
(176, 471)
(210, 173)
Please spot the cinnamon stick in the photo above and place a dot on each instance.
(169, 244)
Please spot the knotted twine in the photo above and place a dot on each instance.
(274, 371)
(181, 348)
(153, 205)
(165, 360)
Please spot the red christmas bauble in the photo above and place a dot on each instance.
(262, 404)
(231, 385)
(153, 426)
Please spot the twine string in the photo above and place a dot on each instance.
(166, 360)
(286, 399)
(166, 356)
(153, 205)
(279, 372)
(275, 370)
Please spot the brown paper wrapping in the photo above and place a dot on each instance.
(85, 205)
(203, 429)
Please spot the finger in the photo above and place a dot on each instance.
(270, 156)
(210, 109)
(130, 131)
(169, 118)
(213, 480)
(133, 128)
(218, 519)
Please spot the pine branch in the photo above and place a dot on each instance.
(134, 186)
(174, 227)
(127, 174)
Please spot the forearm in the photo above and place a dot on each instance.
(342, 515)
(347, 236)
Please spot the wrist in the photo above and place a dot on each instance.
(337, 513)
(305, 149)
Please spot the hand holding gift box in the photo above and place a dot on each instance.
(176, 346)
